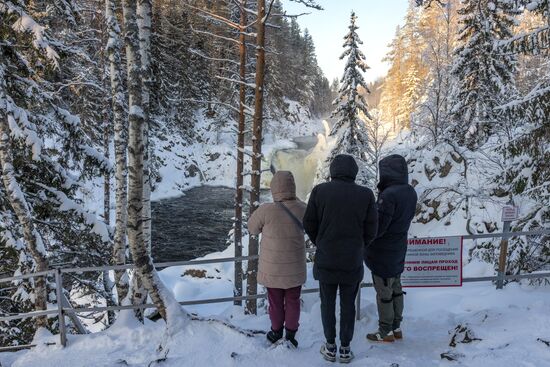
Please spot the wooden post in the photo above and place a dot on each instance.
(60, 314)
(503, 256)
(510, 213)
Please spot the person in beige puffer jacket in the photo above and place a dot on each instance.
(282, 264)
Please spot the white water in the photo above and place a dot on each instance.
(303, 161)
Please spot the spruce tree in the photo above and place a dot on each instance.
(45, 156)
(351, 108)
(526, 173)
(484, 78)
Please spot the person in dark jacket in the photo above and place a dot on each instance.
(341, 220)
(385, 256)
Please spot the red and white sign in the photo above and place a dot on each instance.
(433, 262)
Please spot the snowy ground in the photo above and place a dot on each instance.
(513, 325)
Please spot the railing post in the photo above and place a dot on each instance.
(238, 288)
(503, 256)
(60, 314)
(358, 304)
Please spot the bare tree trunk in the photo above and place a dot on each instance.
(21, 208)
(144, 23)
(161, 297)
(144, 13)
(238, 233)
(107, 284)
(252, 281)
(121, 143)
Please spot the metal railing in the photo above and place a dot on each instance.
(65, 309)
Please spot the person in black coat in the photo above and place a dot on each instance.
(341, 220)
(385, 256)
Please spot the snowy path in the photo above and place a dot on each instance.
(509, 322)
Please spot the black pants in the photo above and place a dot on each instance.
(348, 292)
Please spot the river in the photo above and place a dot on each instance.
(198, 222)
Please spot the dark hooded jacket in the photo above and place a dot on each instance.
(341, 219)
(385, 256)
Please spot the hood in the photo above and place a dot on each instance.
(393, 171)
(283, 186)
(344, 167)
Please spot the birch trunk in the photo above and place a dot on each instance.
(144, 14)
(144, 10)
(121, 142)
(20, 206)
(238, 232)
(107, 284)
(252, 272)
(161, 297)
(107, 175)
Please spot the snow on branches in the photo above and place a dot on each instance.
(351, 109)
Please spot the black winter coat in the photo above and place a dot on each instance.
(385, 256)
(340, 219)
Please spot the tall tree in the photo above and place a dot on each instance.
(162, 298)
(438, 28)
(252, 269)
(144, 15)
(238, 232)
(113, 50)
(17, 200)
(483, 77)
(351, 107)
(526, 174)
(42, 145)
(393, 89)
(262, 16)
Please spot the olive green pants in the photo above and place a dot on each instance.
(389, 299)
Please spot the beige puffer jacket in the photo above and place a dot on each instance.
(282, 249)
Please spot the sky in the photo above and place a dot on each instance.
(377, 21)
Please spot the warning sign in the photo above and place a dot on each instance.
(510, 213)
(433, 262)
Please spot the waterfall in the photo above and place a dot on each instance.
(303, 161)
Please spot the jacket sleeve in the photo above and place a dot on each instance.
(311, 222)
(371, 221)
(256, 221)
(386, 210)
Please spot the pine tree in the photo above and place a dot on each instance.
(351, 108)
(46, 154)
(257, 127)
(392, 105)
(526, 174)
(484, 78)
(438, 28)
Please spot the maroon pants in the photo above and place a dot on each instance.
(284, 307)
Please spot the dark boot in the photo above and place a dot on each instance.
(274, 335)
(291, 337)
